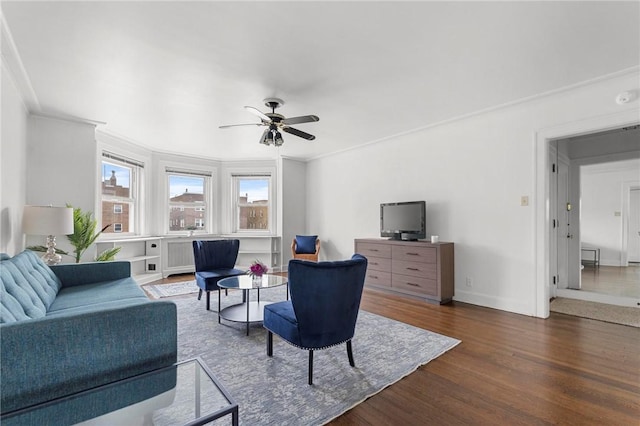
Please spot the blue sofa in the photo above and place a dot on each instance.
(71, 327)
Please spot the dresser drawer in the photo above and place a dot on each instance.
(414, 254)
(415, 285)
(378, 278)
(373, 250)
(414, 269)
(379, 264)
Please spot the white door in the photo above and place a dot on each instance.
(553, 222)
(564, 229)
(633, 245)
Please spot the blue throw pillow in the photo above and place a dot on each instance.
(306, 244)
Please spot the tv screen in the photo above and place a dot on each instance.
(403, 221)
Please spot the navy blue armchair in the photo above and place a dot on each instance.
(322, 312)
(215, 260)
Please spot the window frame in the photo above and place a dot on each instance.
(235, 178)
(136, 193)
(207, 206)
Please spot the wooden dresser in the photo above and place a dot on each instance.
(414, 268)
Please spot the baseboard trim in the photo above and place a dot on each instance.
(501, 303)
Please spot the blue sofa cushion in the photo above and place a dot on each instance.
(101, 295)
(72, 274)
(306, 244)
(28, 287)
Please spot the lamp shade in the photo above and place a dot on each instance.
(47, 220)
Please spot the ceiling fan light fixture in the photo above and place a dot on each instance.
(276, 122)
(263, 139)
(268, 140)
(278, 141)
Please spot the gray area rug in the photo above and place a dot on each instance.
(624, 315)
(158, 291)
(274, 391)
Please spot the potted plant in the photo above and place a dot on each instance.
(84, 235)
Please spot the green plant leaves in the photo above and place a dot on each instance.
(84, 235)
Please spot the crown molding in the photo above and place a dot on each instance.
(12, 62)
(66, 117)
(616, 74)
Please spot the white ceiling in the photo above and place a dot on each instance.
(167, 74)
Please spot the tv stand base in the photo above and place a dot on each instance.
(417, 269)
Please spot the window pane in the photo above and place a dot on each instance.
(116, 197)
(187, 207)
(253, 203)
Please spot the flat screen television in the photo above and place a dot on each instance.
(403, 221)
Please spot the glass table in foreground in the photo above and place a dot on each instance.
(249, 311)
(186, 393)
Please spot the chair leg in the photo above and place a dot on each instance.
(269, 343)
(350, 354)
(199, 294)
(310, 367)
(208, 300)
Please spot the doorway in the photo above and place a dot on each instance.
(544, 139)
(600, 200)
(633, 230)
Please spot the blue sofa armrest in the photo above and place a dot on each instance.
(72, 274)
(51, 357)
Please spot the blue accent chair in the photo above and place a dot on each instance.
(322, 312)
(215, 260)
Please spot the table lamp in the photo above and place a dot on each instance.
(49, 221)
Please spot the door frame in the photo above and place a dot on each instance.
(542, 140)
(627, 187)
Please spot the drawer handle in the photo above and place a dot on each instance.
(413, 285)
(413, 269)
(375, 277)
(413, 254)
(373, 249)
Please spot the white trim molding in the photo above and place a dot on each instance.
(12, 62)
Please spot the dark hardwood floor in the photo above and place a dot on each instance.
(509, 369)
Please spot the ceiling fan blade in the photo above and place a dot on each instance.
(236, 125)
(298, 133)
(301, 119)
(257, 112)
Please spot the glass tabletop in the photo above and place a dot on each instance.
(183, 394)
(247, 282)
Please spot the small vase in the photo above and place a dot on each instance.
(256, 279)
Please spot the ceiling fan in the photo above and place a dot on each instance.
(276, 123)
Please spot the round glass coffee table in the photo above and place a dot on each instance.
(249, 311)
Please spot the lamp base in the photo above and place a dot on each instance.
(51, 257)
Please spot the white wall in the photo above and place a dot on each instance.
(13, 166)
(472, 173)
(61, 168)
(294, 212)
(602, 206)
